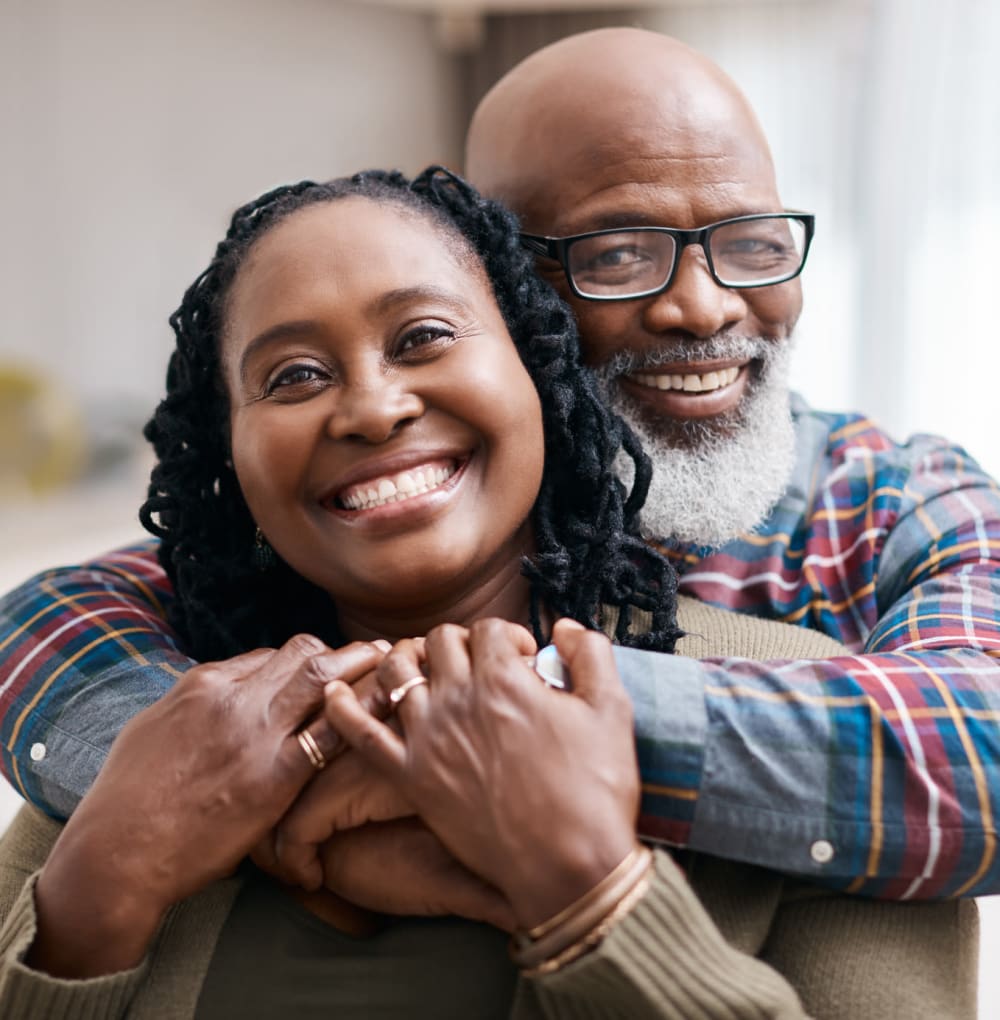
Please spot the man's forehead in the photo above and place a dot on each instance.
(589, 176)
(558, 132)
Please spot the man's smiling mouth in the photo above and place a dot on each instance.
(397, 487)
(689, 382)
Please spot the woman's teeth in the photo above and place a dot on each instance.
(395, 488)
(689, 383)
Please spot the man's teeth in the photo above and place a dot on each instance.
(395, 488)
(690, 383)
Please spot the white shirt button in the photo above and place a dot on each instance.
(37, 752)
(821, 851)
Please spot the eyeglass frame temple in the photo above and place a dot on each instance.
(557, 247)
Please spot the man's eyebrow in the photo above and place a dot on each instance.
(623, 220)
(617, 220)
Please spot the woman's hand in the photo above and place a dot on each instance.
(534, 790)
(190, 785)
(401, 868)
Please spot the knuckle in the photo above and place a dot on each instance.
(208, 674)
(318, 670)
(393, 669)
(304, 645)
(448, 632)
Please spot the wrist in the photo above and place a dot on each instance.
(91, 921)
(567, 879)
(582, 925)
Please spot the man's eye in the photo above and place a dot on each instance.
(754, 246)
(614, 258)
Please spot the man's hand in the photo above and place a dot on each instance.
(191, 784)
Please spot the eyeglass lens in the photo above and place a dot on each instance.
(638, 261)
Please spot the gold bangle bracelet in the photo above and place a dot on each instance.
(542, 929)
(596, 935)
(583, 916)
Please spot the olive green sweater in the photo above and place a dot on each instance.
(721, 941)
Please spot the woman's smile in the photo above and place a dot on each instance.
(397, 491)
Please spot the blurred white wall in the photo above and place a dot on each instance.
(131, 130)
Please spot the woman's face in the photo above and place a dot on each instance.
(387, 438)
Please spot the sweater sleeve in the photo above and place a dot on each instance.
(666, 960)
(26, 993)
(29, 994)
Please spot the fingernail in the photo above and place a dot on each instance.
(382, 645)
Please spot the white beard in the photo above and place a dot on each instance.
(715, 479)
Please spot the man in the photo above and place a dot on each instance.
(879, 771)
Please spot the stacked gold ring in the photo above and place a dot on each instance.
(308, 744)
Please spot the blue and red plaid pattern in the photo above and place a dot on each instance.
(895, 552)
(889, 757)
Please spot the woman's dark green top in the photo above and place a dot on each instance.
(275, 958)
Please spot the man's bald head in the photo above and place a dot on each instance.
(572, 109)
(611, 132)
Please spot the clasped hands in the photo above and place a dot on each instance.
(484, 794)
(487, 795)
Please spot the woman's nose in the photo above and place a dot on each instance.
(694, 303)
(375, 411)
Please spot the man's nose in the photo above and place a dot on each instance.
(374, 411)
(694, 303)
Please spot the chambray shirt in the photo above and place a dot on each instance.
(876, 772)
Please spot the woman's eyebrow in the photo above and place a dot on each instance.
(273, 334)
(420, 292)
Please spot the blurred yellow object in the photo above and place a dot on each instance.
(42, 440)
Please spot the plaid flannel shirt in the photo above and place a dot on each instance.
(877, 771)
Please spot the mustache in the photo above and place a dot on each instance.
(717, 348)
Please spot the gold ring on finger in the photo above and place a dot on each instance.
(397, 694)
(308, 744)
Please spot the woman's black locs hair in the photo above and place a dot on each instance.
(589, 552)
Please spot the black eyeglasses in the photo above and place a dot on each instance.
(633, 262)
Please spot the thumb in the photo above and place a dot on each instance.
(589, 660)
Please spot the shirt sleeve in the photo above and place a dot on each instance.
(877, 772)
(82, 650)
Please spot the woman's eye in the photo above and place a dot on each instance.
(419, 337)
(293, 377)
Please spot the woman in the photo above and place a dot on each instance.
(346, 394)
